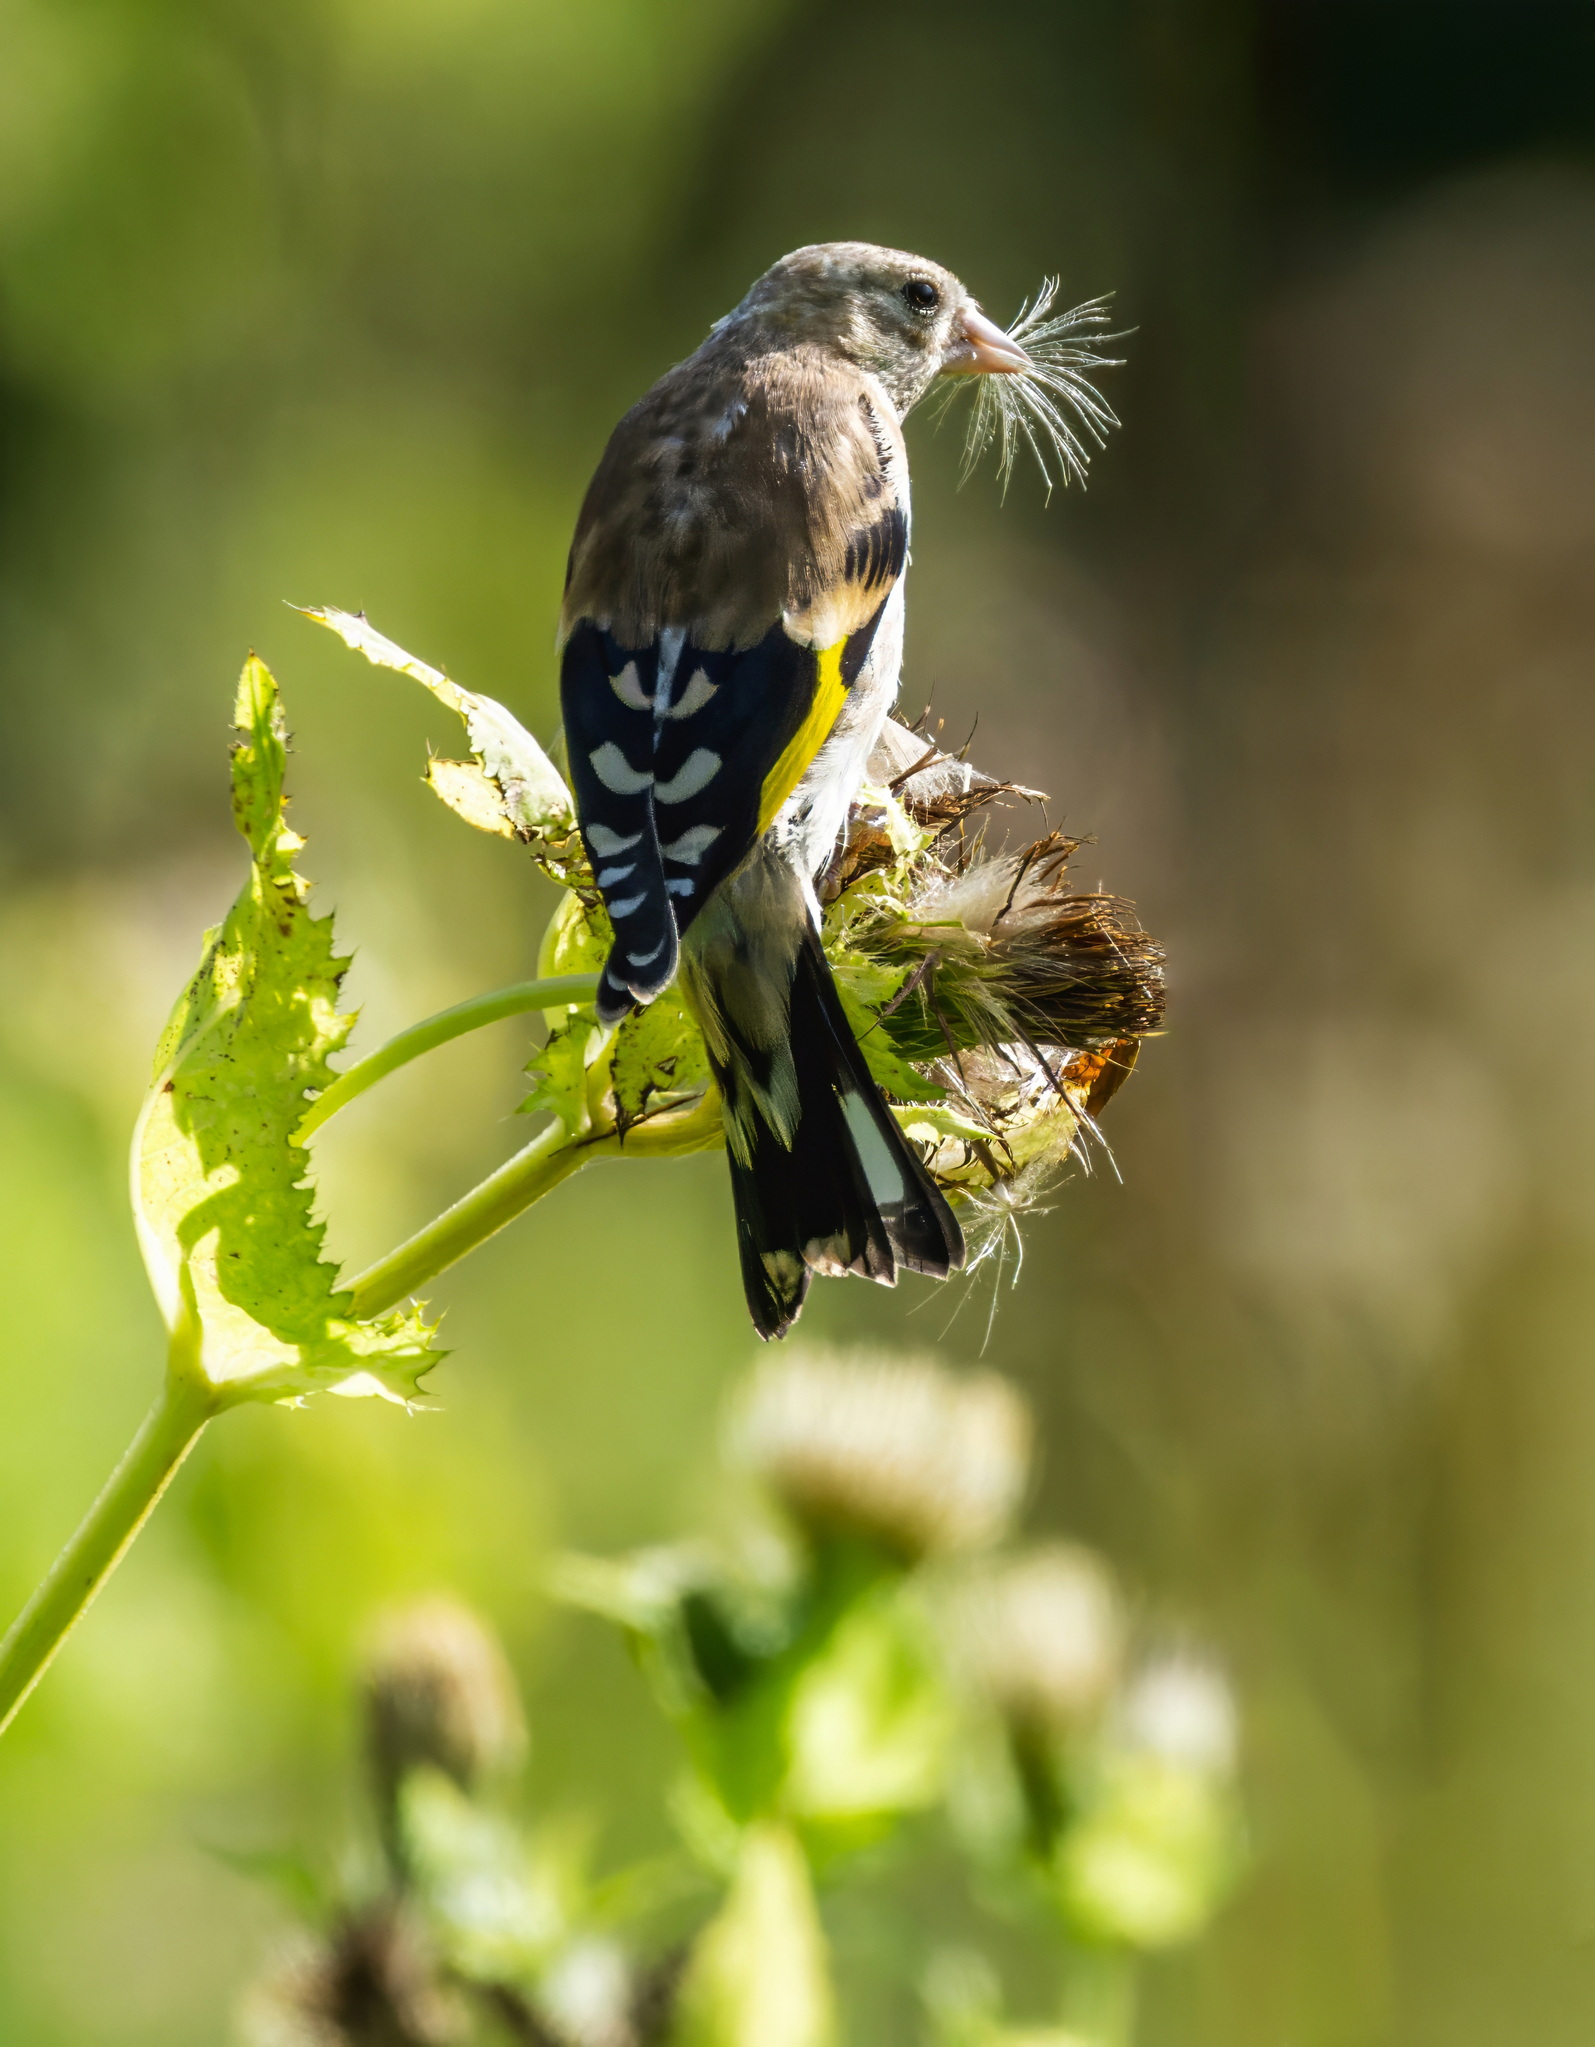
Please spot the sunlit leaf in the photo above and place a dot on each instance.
(870, 1721)
(470, 792)
(867, 986)
(525, 793)
(224, 1207)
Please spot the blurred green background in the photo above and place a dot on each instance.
(335, 301)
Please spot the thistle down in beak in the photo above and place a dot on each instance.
(1041, 397)
(982, 348)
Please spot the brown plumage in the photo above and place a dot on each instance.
(730, 496)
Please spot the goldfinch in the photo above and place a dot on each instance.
(730, 642)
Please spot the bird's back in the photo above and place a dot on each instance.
(751, 485)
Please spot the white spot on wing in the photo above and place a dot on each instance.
(696, 772)
(693, 698)
(606, 844)
(646, 959)
(610, 875)
(627, 685)
(613, 769)
(625, 907)
(680, 888)
(690, 848)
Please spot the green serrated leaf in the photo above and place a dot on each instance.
(223, 1203)
(658, 1060)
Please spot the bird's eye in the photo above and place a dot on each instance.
(922, 295)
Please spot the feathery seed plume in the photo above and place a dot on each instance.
(1033, 405)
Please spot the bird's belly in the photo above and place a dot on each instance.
(811, 820)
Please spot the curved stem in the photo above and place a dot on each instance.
(438, 1030)
(165, 1437)
(534, 1171)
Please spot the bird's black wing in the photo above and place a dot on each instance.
(680, 758)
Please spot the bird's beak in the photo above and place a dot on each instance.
(981, 348)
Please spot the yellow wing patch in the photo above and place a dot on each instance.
(830, 693)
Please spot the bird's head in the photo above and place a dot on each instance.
(901, 317)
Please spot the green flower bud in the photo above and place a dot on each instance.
(439, 1693)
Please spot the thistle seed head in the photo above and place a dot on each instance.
(1072, 970)
(438, 1691)
(1024, 999)
(921, 1459)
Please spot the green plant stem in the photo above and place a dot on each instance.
(166, 1436)
(438, 1030)
(553, 1155)
(531, 1173)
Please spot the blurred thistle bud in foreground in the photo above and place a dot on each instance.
(480, 1927)
(439, 1695)
(374, 1983)
(916, 1458)
(438, 1692)
(1041, 1635)
(886, 1665)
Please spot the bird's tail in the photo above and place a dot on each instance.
(823, 1178)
